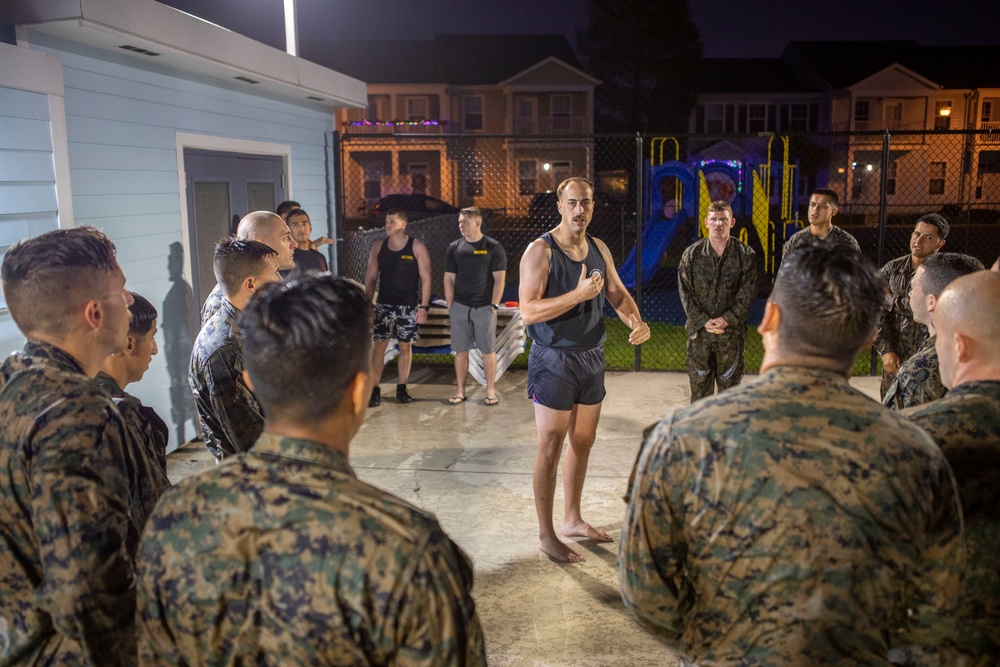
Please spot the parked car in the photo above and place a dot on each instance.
(613, 221)
(416, 206)
(608, 210)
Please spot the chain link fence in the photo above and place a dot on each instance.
(651, 195)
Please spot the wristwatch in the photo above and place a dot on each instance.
(424, 307)
(496, 306)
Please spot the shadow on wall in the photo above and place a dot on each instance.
(179, 330)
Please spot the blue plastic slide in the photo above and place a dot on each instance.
(655, 238)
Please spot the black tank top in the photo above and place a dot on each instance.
(582, 326)
(398, 275)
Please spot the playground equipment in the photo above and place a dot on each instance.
(676, 191)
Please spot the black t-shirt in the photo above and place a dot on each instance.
(473, 265)
(306, 261)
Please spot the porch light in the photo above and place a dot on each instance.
(944, 111)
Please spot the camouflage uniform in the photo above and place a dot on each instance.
(966, 425)
(231, 420)
(805, 237)
(918, 380)
(282, 556)
(212, 304)
(792, 521)
(711, 286)
(66, 583)
(147, 460)
(897, 332)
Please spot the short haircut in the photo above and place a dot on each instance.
(827, 192)
(937, 220)
(258, 225)
(943, 267)
(304, 340)
(238, 259)
(143, 315)
(49, 278)
(573, 179)
(399, 213)
(829, 298)
(286, 206)
(720, 205)
(472, 212)
(297, 211)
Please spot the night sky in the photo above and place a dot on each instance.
(729, 28)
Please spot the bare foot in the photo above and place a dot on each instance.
(556, 550)
(583, 529)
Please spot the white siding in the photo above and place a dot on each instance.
(27, 182)
(122, 122)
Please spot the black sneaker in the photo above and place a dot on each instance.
(401, 394)
(376, 399)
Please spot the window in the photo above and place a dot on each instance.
(715, 118)
(942, 115)
(527, 177)
(936, 184)
(418, 177)
(373, 180)
(798, 118)
(561, 171)
(757, 118)
(890, 179)
(416, 108)
(474, 182)
(862, 110)
(986, 115)
(472, 113)
(562, 113)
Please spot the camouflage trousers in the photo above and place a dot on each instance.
(714, 360)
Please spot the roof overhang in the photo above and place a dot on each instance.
(551, 60)
(918, 80)
(157, 35)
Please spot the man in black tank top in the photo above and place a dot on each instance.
(565, 278)
(397, 263)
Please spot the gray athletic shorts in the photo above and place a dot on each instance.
(473, 328)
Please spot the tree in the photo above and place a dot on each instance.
(646, 53)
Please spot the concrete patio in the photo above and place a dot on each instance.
(471, 465)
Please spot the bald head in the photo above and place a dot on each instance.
(967, 321)
(269, 229)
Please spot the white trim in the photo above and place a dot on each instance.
(192, 45)
(902, 69)
(42, 73)
(216, 143)
(546, 61)
(32, 71)
(60, 159)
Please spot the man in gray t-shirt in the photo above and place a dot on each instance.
(475, 267)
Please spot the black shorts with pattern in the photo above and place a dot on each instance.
(399, 322)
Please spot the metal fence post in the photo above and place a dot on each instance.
(883, 217)
(639, 188)
(334, 188)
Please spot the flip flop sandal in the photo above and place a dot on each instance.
(455, 400)
(491, 401)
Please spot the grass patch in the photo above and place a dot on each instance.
(666, 350)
